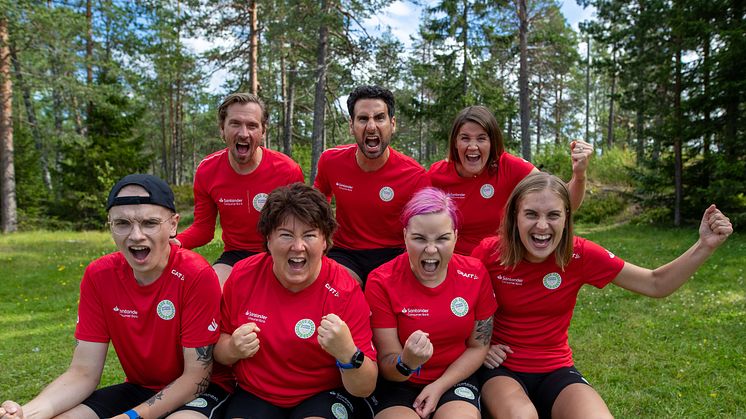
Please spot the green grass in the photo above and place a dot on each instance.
(683, 356)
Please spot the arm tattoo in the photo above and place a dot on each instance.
(202, 386)
(204, 355)
(157, 396)
(483, 331)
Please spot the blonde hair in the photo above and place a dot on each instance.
(511, 249)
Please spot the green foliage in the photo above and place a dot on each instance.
(601, 207)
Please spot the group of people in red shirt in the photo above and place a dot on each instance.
(443, 294)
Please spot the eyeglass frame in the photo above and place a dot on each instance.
(132, 223)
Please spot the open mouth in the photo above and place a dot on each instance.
(140, 253)
(473, 158)
(297, 263)
(243, 149)
(430, 265)
(541, 240)
(372, 143)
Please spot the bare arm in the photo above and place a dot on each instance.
(416, 351)
(69, 389)
(335, 338)
(714, 229)
(192, 382)
(581, 152)
(464, 366)
(242, 343)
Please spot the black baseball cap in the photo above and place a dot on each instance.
(160, 193)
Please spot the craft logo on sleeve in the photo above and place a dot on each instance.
(339, 411)
(259, 200)
(459, 307)
(305, 328)
(487, 191)
(386, 194)
(611, 255)
(166, 310)
(552, 280)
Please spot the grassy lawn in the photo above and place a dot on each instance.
(684, 356)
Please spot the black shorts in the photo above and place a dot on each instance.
(392, 393)
(113, 400)
(541, 388)
(363, 261)
(231, 257)
(332, 404)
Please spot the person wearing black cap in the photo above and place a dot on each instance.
(158, 305)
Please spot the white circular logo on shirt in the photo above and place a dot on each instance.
(464, 393)
(339, 411)
(552, 281)
(259, 200)
(487, 191)
(459, 307)
(386, 194)
(305, 328)
(198, 402)
(166, 310)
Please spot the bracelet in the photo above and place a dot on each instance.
(404, 369)
(132, 414)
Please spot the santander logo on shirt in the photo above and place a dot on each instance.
(132, 314)
(231, 202)
(415, 312)
(509, 281)
(255, 317)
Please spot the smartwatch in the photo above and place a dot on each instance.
(356, 362)
(132, 414)
(404, 369)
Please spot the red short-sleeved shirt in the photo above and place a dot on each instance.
(237, 198)
(149, 325)
(447, 312)
(481, 199)
(536, 302)
(290, 365)
(368, 203)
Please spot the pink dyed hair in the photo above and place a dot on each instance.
(430, 200)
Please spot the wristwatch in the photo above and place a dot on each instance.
(356, 362)
(404, 369)
(132, 414)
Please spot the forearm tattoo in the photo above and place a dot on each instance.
(204, 355)
(157, 396)
(202, 386)
(483, 331)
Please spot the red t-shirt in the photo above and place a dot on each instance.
(368, 203)
(290, 365)
(481, 199)
(238, 198)
(536, 302)
(447, 312)
(150, 325)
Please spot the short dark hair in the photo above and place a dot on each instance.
(241, 98)
(304, 203)
(481, 116)
(371, 92)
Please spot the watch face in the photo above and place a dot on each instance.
(403, 369)
(357, 359)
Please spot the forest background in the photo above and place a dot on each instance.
(96, 89)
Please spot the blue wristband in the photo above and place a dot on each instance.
(132, 414)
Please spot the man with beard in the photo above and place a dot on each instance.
(371, 182)
(235, 181)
